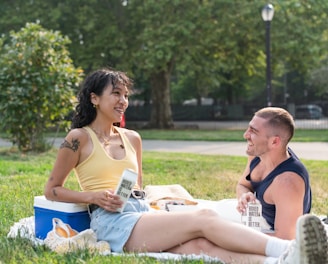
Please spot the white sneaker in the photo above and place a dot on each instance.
(310, 246)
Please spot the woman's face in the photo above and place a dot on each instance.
(112, 103)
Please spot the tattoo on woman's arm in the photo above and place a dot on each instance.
(73, 146)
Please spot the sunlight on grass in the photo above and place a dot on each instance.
(301, 135)
(210, 177)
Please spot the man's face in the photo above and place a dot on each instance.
(257, 137)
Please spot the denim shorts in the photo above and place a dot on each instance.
(116, 228)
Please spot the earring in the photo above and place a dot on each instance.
(95, 106)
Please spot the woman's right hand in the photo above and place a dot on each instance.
(108, 200)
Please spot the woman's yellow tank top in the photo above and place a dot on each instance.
(100, 171)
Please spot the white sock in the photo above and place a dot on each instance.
(276, 246)
(270, 260)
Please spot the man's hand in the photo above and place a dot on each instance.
(244, 199)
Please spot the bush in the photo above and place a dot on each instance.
(38, 82)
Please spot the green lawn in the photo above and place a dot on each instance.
(207, 177)
(301, 135)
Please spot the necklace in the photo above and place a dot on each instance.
(106, 140)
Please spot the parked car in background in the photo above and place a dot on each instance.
(308, 111)
(203, 101)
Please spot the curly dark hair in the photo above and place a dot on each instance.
(96, 82)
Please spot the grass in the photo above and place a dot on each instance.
(205, 176)
(301, 135)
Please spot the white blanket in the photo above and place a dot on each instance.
(25, 228)
(226, 208)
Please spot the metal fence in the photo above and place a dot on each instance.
(214, 117)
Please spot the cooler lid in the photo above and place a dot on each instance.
(42, 202)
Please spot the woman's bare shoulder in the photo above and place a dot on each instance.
(77, 133)
(130, 133)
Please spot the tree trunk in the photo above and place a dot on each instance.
(161, 114)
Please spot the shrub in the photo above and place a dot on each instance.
(37, 82)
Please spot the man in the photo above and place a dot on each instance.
(274, 175)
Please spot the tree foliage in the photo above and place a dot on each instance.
(38, 82)
(179, 49)
(160, 45)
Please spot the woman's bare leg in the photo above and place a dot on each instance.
(203, 246)
(156, 232)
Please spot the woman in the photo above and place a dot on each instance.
(99, 152)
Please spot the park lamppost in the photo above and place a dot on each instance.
(267, 15)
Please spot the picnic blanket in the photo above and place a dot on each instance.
(226, 209)
(25, 228)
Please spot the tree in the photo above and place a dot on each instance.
(197, 47)
(38, 83)
(159, 43)
(298, 45)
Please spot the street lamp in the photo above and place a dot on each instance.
(267, 15)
